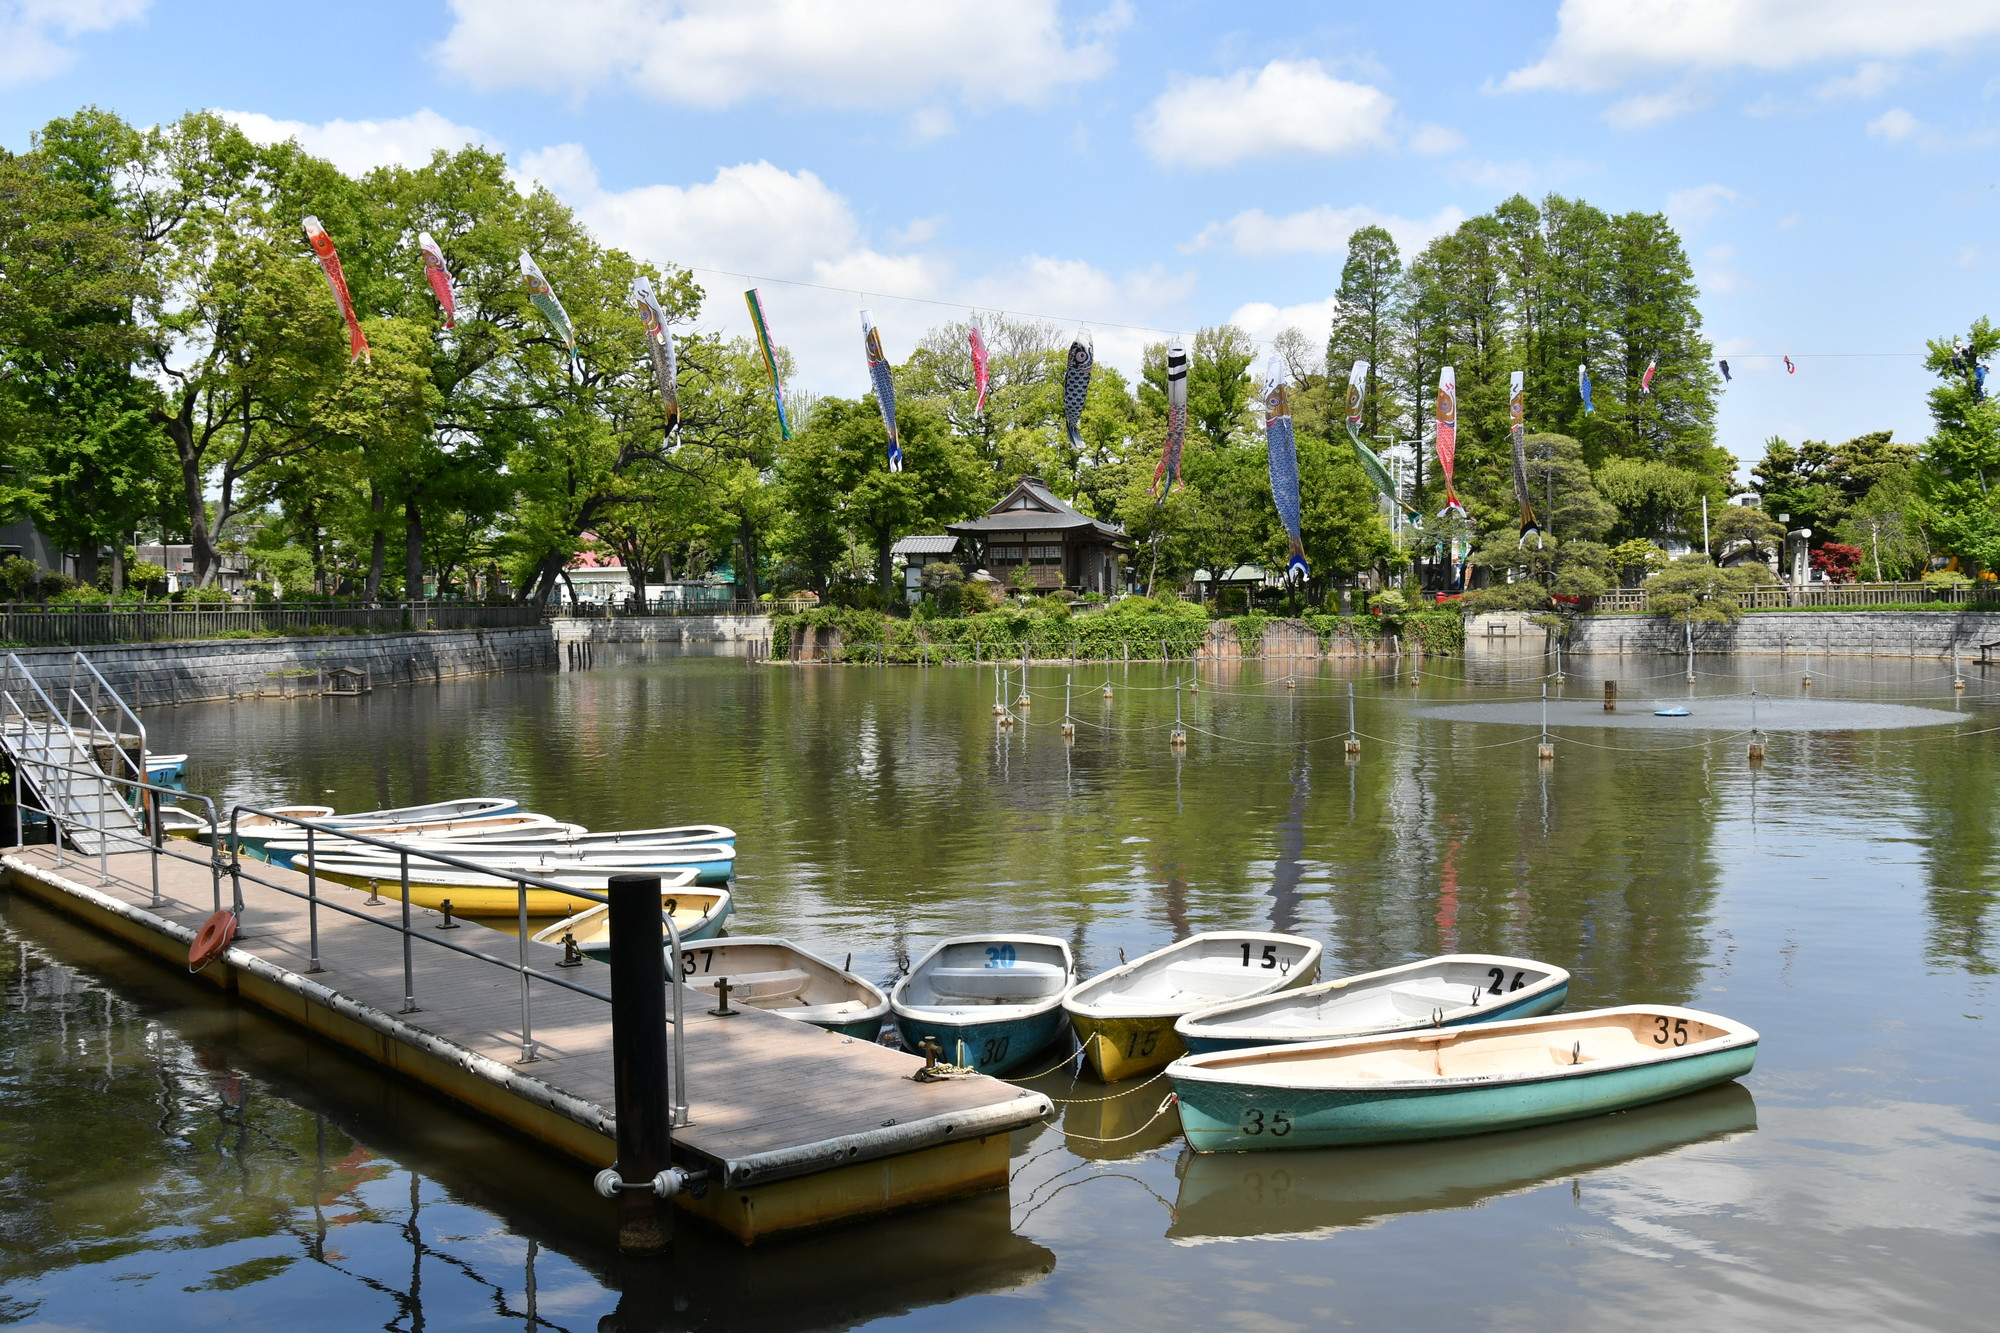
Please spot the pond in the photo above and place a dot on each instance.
(168, 1157)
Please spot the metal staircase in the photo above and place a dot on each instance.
(69, 763)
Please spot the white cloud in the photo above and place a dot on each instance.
(1286, 107)
(1601, 44)
(918, 231)
(1320, 231)
(1265, 321)
(1870, 79)
(1644, 109)
(1715, 277)
(356, 146)
(758, 219)
(932, 122)
(32, 33)
(1431, 140)
(1693, 207)
(1894, 125)
(715, 53)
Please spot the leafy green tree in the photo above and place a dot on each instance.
(1761, 535)
(1961, 460)
(1654, 500)
(1692, 590)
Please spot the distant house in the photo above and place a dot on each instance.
(917, 554)
(177, 558)
(1061, 546)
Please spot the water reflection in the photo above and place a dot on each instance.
(1231, 1195)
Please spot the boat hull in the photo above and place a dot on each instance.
(1235, 1117)
(992, 1047)
(1128, 1045)
(1532, 1007)
(466, 900)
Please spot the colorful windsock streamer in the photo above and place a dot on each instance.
(660, 343)
(1790, 369)
(770, 359)
(978, 341)
(1076, 387)
(1646, 380)
(1169, 470)
(544, 297)
(1447, 438)
(439, 277)
(885, 387)
(1371, 463)
(1284, 462)
(329, 260)
(1724, 366)
(1517, 430)
(1583, 387)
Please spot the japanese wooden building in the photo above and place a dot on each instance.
(1062, 547)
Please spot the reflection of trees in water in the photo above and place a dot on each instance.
(1953, 786)
(119, 1139)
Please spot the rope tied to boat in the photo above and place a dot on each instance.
(1085, 1101)
(1166, 1103)
(938, 1073)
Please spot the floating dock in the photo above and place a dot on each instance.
(797, 1127)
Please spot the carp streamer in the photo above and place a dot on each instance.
(750, 299)
(1169, 470)
(1583, 387)
(1076, 387)
(1447, 438)
(660, 343)
(439, 277)
(1284, 458)
(978, 341)
(885, 387)
(544, 297)
(1517, 426)
(329, 260)
(1371, 463)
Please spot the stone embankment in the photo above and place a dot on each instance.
(150, 674)
(1925, 634)
(662, 629)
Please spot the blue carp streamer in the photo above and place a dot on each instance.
(1284, 454)
(1076, 387)
(885, 388)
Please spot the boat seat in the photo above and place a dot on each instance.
(826, 1013)
(757, 988)
(1420, 998)
(1016, 983)
(1216, 976)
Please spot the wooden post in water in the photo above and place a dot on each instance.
(639, 1062)
(1610, 696)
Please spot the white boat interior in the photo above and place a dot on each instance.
(991, 977)
(765, 972)
(1444, 989)
(591, 928)
(524, 855)
(1197, 972)
(468, 808)
(389, 871)
(1482, 1053)
(582, 837)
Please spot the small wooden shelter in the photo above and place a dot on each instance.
(1061, 546)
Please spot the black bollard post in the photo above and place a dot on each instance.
(639, 1061)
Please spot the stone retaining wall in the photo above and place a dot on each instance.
(149, 674)
(661, 629)
(1923, 634)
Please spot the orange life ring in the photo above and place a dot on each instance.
(209, 942)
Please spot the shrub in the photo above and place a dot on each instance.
(20, 578)
(1692, 589)
(210, 595)
(1837, 561)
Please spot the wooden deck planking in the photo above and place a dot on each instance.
(757, 1083)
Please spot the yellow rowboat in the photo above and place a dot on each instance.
(699, 914)
(473, 894)
(1125, 1017)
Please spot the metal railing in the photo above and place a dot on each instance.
(74, 624)
(1842, 595)
(226, 859)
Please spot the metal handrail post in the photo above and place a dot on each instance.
(312, 904)
(677, 1114)
(527, 1020)
(409, 968)
(235, 870)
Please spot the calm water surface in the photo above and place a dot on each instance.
(168, 1161)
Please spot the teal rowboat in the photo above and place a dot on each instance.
(990, 1002)
(1434, 992)
(765, 972)
(1451, 1081)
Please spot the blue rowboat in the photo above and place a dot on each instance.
(1435, 992)
(164, 768)
(1452, 1081)
(765, 972)
(990, 1002)
(1125, 1017)
(712, 863)
(281, 843)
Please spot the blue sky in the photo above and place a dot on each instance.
(1831, 163)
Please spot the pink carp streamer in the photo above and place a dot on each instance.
(439, 277)
(660, 346)
(1447, 439)
(1646, 380)
(329, 260)
(978, 341)
(1169, 470)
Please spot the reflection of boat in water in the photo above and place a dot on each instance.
(1107, 1124)
(1226, 1195)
